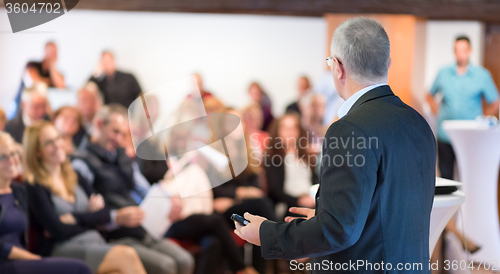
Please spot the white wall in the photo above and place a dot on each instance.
(229, 51)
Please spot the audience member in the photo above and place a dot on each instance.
(326, 88)
(262, 99)
(192, 217)
(303, 87)
(194, 221)
(243, 193)
(289, 169)
(45, 71)
(116, 176)
(89, 101)
(476, 89)
(34, 107)
(66, 211)
(14, 258)
(312, 119)
(252, 122)
(116, 86)
(68, 121)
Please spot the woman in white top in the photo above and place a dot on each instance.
(289, 167)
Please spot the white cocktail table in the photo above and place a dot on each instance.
(443, 208)
(477, 148)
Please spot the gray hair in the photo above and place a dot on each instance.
(92, 87)
(39, 88)
(106, 111)
(362, 46)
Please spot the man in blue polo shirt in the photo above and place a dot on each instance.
(464, 88)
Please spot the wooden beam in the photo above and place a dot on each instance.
(483, 10)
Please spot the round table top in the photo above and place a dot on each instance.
(455, 198)
(475, 125)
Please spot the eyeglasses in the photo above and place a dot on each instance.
(329, 61)
(6, 157)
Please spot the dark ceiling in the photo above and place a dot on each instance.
(484, 10)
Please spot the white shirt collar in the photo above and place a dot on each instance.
(347, 105)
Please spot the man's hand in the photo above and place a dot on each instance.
(130, 216)
(248, 192)
(222, 204)
(175, 210)
(250, 232)
(432, 104)
(308, 212)
(96, 202)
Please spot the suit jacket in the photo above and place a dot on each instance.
(15, 127)
(122, 88)
(376, 192)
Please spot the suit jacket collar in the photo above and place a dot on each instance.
(373, 94)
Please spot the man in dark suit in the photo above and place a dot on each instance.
(377, 174)
(116, 86)
(34, 105)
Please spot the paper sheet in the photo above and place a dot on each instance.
(156, 206)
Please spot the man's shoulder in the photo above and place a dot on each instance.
(11, 125)
(378, 115)
(482, 71)
(124, 75)
(448, 68)
(15, 127)
(35, 64)
(85, 156)
(80, 154)
(16, 120)
(345, 123)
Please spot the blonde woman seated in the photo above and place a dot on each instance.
(66, 213)
(14, 258)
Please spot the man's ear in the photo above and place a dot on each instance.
(98, 123)
(389, 64)
(339, 69)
